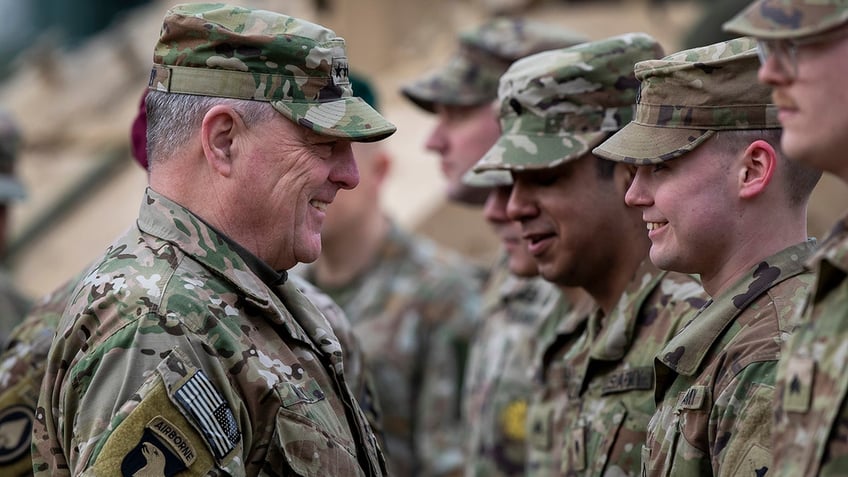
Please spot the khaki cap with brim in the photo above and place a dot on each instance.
(787, 19)
(686, 97)
(470, 77)
(299, 67)
(555, 106)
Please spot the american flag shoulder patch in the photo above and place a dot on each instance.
(210, 413)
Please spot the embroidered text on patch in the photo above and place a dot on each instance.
(210, 412)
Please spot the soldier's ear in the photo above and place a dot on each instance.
(217, 134)
(756, 169)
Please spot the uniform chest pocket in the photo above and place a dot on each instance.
(590, 445)
(312, 439)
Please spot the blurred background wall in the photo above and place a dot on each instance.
(72, 74)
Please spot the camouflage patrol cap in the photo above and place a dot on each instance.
(233, 52)
(778, 19)
(471, 76)
(10, 141)
(687, 96)
(555, 106)
(487, 179)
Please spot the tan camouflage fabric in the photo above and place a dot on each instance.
(470, 77)
(686, 97)
(812, 381)
(597, 382)
(301, 68)
(498, 378)
(174, 356)
(22, 366)
(774, 19)
(557, 105)
(715, 380)
(415, 310)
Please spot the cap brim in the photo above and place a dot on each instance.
(753, 22)
(11, 189)
(448, 86)
(349, 118)
(517, 152)
(487, 179)
(639, 144)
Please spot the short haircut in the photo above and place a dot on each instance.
(173, 118)
(799, 179)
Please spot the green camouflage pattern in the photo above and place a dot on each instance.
(597, 383)
(10, 144)
(171, 307)
(776, 19)
(557, 105)
(687, 96)
(715, 380)
(22, 367)
(470, 77)
(812, 382)
(299, 67)
(498, 381)
(415, 310)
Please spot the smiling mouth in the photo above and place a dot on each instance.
(318, 204)
(654, 225)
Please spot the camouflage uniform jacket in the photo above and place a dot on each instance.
(174, 355)
(21, 371)
(414, 310)
(715, 380)
(13, 307)
(812, 380)
(498, 380)
(597, 391)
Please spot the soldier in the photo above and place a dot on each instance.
(462, 92)
(717, 154)
(499, 378)
(13, 303)
(596, 396)
(414, 307)
(462, 95)
(186, 348)
(803, 48)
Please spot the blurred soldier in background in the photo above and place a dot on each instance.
(596, 397)
(13, 303)
(413, 305)
(803, 47)
(718, 154)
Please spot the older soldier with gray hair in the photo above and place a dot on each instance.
(596, 392)
(719, 200)
(186, 349)
(803, 46)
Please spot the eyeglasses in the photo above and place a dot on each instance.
(785, 52)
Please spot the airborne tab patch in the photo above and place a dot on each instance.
(210, 413)
(162, 450)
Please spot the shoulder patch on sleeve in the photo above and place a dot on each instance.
(154, 439)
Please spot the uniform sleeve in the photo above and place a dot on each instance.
(742, 416)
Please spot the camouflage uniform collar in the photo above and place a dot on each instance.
(265, 272)
(616, 336)
(831, 260)
(686, 352)
(164, 218)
